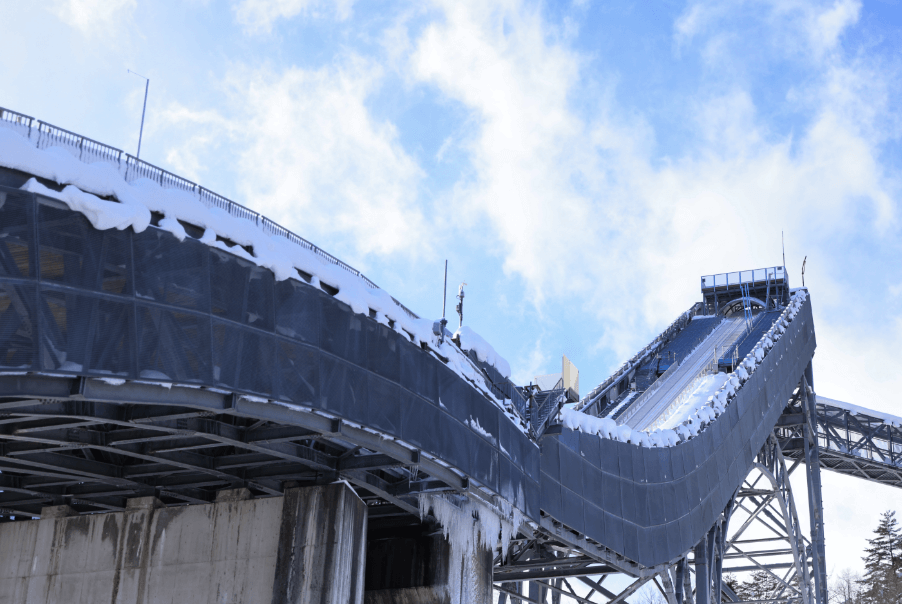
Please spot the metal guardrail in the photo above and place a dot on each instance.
(678, 361)
(758, 275)
(589, 401)
(131, 168)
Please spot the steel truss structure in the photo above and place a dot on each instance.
(137, 364)
(854, 442)
(758, 530)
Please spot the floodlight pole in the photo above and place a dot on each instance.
(143, 111)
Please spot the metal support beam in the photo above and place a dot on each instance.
(815, 502)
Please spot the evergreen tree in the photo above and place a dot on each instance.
(883, 563)
(760, 586)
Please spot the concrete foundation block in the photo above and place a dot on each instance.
(305, 547)
(322, 547)
(57, 511)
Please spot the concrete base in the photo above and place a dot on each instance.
(238, 550)
(417, 566)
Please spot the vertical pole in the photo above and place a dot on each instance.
(717, 568)
(143, 111)
(702, 580)
(815, 501)
(445, 290)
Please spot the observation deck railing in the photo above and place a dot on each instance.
(758, 275)
(131, 168)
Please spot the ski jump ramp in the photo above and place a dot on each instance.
(158, 340)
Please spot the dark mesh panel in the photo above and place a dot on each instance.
(483, 462)
(454, 394)
(259, 312)
(383, 356)
(240, 290)
(419, 372)
(483, 416)
(420, 424)
(256, 362)
(173, 345)
(298, 373)
(226, 348)
(297, 311)
(455, 442)
(384, 405)
(18, 328)
(342, 332)
(66, 321)
(74, 253)
(344, 389)
(16, 211)
(171, 272)
(113, 339)
(411, 367)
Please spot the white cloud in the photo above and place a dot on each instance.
(258, 16)
(578, 204)
(312, 157)
(93, 16)
(802, 26)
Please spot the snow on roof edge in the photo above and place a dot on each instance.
(85, 186)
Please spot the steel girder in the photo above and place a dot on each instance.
(92, 445)
(853, 443)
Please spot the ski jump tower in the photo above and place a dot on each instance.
(197, 404)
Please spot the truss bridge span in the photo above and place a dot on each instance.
(151, 363)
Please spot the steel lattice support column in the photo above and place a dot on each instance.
(815, 501)
(768, 538)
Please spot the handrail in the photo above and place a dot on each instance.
(131, 168)
(678, 361)
(586, 404)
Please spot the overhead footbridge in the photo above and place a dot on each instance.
(166, 352)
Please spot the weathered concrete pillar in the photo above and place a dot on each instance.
(233, 551)
(417, 565)
(322, 547)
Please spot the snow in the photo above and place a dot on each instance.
(470, 340)
(698, 395)
(893, 420)
(474, 425)
(99, 191)
(707, 399)
(470, 525)
(624, 402)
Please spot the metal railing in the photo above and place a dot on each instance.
(44, 135)
(588, 402)
(758, 275)
(678, 361)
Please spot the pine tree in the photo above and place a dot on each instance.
(760, 586)
(882, 563)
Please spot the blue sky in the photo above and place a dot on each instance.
(580, 164)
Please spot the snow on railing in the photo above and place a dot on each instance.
(697, 421)
(595, 394)
(636, 405)
(131, 168)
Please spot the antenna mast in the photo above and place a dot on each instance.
(143, 111)
(460, 305)
(783, 242)
(438, 328)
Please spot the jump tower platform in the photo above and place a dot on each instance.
(199, 405)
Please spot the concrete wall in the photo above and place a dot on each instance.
(235, 551)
